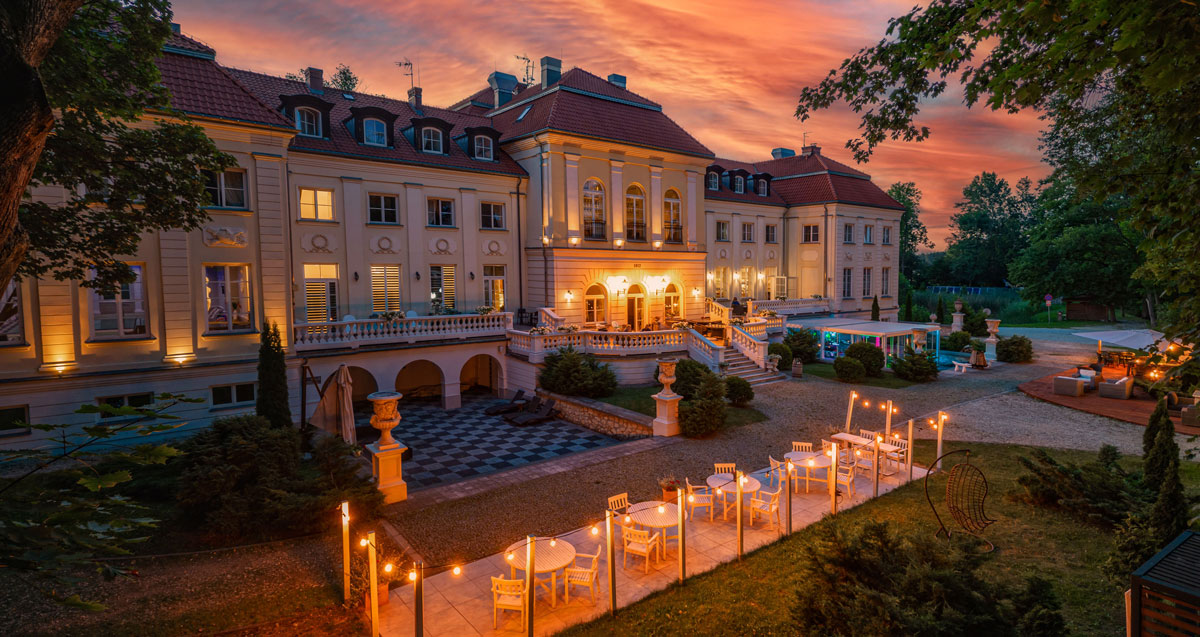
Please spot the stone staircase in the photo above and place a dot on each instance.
(743, 367)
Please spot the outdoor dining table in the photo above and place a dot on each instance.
(725, 482)
(646, 514)
(859, 441)
(800, 459)
(546, 559)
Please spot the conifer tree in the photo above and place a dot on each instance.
(1157, 419)
(272, 379)
(908, 307)
(1169, 517)
(1156, 465)
(941, 310)
(875, 308)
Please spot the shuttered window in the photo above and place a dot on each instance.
(385, 288)
(320, 292)
(441, 286)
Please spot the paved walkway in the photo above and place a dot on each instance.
(461, 604)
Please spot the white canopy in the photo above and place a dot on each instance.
(1133, 339)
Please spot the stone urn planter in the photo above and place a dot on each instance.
(798, 368)
(385, 416)
(978, 358)
(773, 362)
(958, 305)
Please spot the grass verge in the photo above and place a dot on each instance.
(641, 400)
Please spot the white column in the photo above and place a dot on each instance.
(617, 198)
(693, 200)
(574, 221)
(656, 199)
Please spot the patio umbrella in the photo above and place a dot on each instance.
(1133, 339)
(335, 412)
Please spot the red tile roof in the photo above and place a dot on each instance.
(200, 87)
(808, 179)
(269, 88)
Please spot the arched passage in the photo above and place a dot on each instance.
(420, 379)
(362, 384)
(481, 374)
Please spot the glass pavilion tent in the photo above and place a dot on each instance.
(837, 334)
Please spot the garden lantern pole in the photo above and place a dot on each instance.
(374, 584)
(909, 453)
(418, 577)
(346, 551)
(682, 558)
(612, 562)
(530, 583)
(787, 487)
(831, 474)
(875, 467)
(737, 476)
(941, 426)
(850, 409)
(887, 431)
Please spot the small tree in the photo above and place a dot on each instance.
(804, 345)
(915, 367)
(1169, 516)
(706, 414)
(1157, 463)
(688, 374)
(738, 391)
(272, 379)
(1134, 544)
(941, 310)
(871, 357)
(908, 306)
(849, 370)
(875, 308)
(785, 354)
(1158, 418)
(574, 374)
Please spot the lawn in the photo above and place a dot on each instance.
(641, 400)
(752, 597)
(887, 381)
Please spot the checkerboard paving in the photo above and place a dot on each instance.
(452, 445)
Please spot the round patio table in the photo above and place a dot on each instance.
(546, 559)
(646, 514)
(724, 482)
(801, 459)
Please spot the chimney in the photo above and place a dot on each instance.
(414, 98)
(811, 149)
(503, 87)
(616, 80)
(551, 71)
(175, 28)
(316, 80)
(780, 153)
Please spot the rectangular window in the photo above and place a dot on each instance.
(128, 400)
(847, 282)
(441, 286)
(385, 288)
(316, 205)
(483, 147)
(11, 325)
(230, 395)
(491, 215)
(441, 213)
(885, 285)
(812, 234)
(771, 236)
(383, 209)
(229, 298)
(722, 231)
(593, 307)
(225, 189)
(493, 286)
(848, 233)
(320, 292)
(120, 313)
(672, 219)
(866, 282)
(868, 234)
(747, 232)
(779, 287)
(14, 421)
(887, 235)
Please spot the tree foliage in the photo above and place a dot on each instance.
(706, 414)
(342, 79)
(272, 378)
(688, 374)
(849, 370)
(785, 355)
(739, 391)
(988, 231)
(571, 373)
(913, 234)
(916, 367)
(1100, 492)
(872, 358)
(1014, 349)
(804, 345)
(875, 308)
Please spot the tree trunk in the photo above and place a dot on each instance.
(28, 29)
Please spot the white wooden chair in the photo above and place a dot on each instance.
(845, 478)
(639, 542)
(766, 505)
(699, 497)
(619, 505)
(868, 434)
(900, 455)
(775, 473)
(725, 467)
(843, 450)
(728, 493)
(802, 447)
(863, 458)
(508, 594)
(582, 575)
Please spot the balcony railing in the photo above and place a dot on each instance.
(754, 348)
(788, 306)
(353, 334)
(536, 346)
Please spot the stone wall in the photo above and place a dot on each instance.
(610, 420)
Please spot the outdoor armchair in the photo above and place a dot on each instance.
(640, 542)
(508, 594)
(1121, 389)
(766, 505)
(585, 574)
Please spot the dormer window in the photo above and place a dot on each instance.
(714, 181)
(374, 132)
(762, 187)
(308, 122)
(739, 184)
(483, 147)
(431, 140)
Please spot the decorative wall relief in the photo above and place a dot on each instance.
(224, 236)
(442, 245)
(724, 254)
(383, 245)
(747, 255)
(770, 254)
(494, 247)
(316, 243)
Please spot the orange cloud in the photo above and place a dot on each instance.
(729, 73)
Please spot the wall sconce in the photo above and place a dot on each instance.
(417, 274)
(574, 241)
(761, 276)
(696, 292)
(569, 296)
(472, 275)
(545, 240)
(710, 276)
(355, 276)
(619, 242)
(657, 244)
(737, 276)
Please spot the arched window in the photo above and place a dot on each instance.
(308, 122)
(635, 214)
(374, 132)
(635, 307)
(431, 140)
(762, 187)
(739, 184)
(595, 301)
(714, 181)
(483, 147)
(671, 301)
(672, 218)
(593, 210)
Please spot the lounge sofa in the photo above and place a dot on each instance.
(1121, 388)
(1069, 385)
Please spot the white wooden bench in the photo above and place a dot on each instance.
(961, 367)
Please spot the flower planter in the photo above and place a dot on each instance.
(383, 597)
(798, 368)
(670, 495)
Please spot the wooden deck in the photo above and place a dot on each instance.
(1136, 410)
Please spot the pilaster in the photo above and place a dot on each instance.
(574, 220)
(617, 200)
(175, 266)
(693, 196)
(656, 206)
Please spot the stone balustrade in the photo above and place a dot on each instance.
(536, 346)
(788, 306)
(353, 334)
(702, 350)
(753, 348)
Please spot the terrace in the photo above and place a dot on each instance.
(353, 333)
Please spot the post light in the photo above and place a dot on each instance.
(942, 418)
(369, 542)
(530, 583)
(832, 478)
(850, 409)
(787, 490)
(909, 452)
(612, 562)
(417, 577)
(345, 551)
(740, 481)
(682, 534)
(875, 467)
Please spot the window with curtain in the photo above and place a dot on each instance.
(120, 312)
(11, 324)
(320, 292)
(847, 281)
(229, 298)
(672, 218)
(739, 184)
(383, 209)
(374, 132)
(431, 140)
(483, 147)
(714, 181)
(671, 303)
(493, 286)
(635, 214)
(441, 286)
(594, 302)
(593, 210)
(226, 189)
(308, 122)
(866, 282)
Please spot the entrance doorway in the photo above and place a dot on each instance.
(635, 307)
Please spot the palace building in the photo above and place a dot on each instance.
(418, 245)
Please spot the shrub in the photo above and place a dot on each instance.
(804, 345)
(956, 342)
(908, 306)
(1163, 453)
(1170, 513)
(272, 379)
(875, 308)
(849, 370)
(978, 345)
(1099, 492)
(941, 310)
(574, 374)
(785, 354)
(916, 367)
(871, 580)
(974, 323)
(1158, 418)
(706, 414)
(1014, 349)
(1135, 543)
(688, 374)
(738, 391)
(871, 357)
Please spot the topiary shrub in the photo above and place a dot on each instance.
(785, 355)
(1014, 349)
(871, 357)
(941, 311)
(919, 368)
(1158, 418)
(956, 342)
(804, 345)
(849, 370)
(738, 391)
(688, 374)
(571, 373)
(706, 414)
(272, 402)
(875, 308)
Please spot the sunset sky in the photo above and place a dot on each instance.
(730, 73)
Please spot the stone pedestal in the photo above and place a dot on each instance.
(993, 327)
(956, 324)
(386, 466)
(666, 401)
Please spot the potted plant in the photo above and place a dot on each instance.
(484, 310)
(360, 573)
(797, 367)
(569, 329)
(773, 362)
(670, 487)
(539, 330)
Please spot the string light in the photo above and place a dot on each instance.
(883, 408)
(662, 509)
(387, 568)
(509, 557)
(878, 438)
(458, 570)
(553, 542)
(895, 410)
(866, 403)
(362, 542)
(718, 490)
(810, 462)
(691, 498)
(412, 576)
(628, 519)
(595, 531)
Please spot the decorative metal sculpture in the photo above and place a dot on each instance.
(966, 490)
